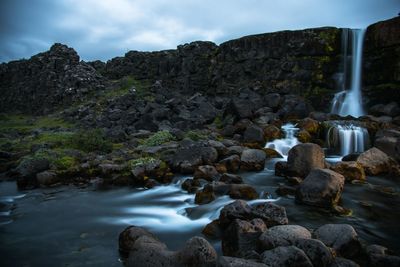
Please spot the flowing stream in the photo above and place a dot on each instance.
(70, 226)
(282, 146)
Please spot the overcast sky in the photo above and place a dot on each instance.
(103, 29)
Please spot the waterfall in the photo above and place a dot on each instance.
(282, 146)
(349, 100)
(347, 137)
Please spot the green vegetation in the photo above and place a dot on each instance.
(218, 122)
(24, 123)
(158, 138)
(127, 83)
(91, 140)
(141, 161)
(65, 162)
(195, 135)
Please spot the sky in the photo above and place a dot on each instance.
(103, 29)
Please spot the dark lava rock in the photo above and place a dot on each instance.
(270, 213)
(238, 209)
(238, 262)
(286, 256)
(252, 160)
(303, 158)
(282, 235)
(197, 252)
(316, 251)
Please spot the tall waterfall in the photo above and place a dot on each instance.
(282, 146)
(349, 100)
(347, 137)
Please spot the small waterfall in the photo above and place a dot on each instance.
(349, 100)
(347, 137)
(282, 146)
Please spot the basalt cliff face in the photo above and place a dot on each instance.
(302, 62)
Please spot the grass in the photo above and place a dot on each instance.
(158, 138)
(195, 135)
(25, 123)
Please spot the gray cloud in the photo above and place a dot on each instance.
(102, 29)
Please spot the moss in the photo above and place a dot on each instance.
(329, 38)
(158, 138)
(218, 122)
(25, 124)
(65, 162)
(90, 141)
(141, 161)
(195, 135)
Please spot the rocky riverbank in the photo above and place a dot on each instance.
(207, 111)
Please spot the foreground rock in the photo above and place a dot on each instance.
(341, 237)
(144, 249)
(238, 262)
(303, 158)
(252, 160)
(351, 170)
(282, 235)
(375, 161)
(322, 188)
(286, 256)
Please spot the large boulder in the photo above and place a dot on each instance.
(322, 188)
(379, 256)
(128, 237)
(241, 237)
(389, 142)
(231, 163)
(316, 251)
(238, 209)
(254, 134)
(187, 159)
(27, 170)
(47, 178)
(252, 160)
(206, 172)
(351, 170)
(238, 262)
(375, 161)
(282, 235)
(341, 237)
(286, 256)
(197, 252)
(270, 213)
(303, 158)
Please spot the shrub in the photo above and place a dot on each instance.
(91, 140)
(158, 138)
(195, 135)
(65, 162)
(141, 161)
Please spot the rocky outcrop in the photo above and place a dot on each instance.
(382, 48)
(46, 81)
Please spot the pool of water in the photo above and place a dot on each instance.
(71, 226)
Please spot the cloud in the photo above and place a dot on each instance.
(102, 29)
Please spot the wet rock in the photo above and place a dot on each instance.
(197, 252)
(378, 256)
(303, 136)
(239, 108)
(206, 172)
(252, 160)
(284, 256)
(232, 163)
(128, 237)
(322, 188)
(205, 196)
(107, 169)
(47, 178)
(186, 160)
(285, 190)
(389, 145)
(282, 235)
(212, 230)
(254, 134)
(234, 150)
(191, 185)
(316, 251)
(375, 161)
(341, 237)
(310, 125)
(342, 262)
(242, 191)
(155, 169)
(225, 261)
(231, 179)
(303, 158)
(241, 237)
(270, 213)
(281, 168)
(351, 170)
(27, 170)
(238, 209)
(271, 132)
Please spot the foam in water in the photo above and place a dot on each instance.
(282, 146)
(349, 100)
(347, 138)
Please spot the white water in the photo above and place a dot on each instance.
(347, 138)
(349, 100)
(282, 146)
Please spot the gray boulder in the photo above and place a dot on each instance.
(225, 261)
(286, 256)
(270, 213)
(316, 251)
(303, 158)
(282, 235)
(197, 252)
(375, 161)
(252, 160)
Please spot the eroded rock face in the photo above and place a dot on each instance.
(303, 158)
(46, 81)
(322, 188)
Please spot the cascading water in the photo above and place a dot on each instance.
(347, 137)
(282, 146)
(349, 100)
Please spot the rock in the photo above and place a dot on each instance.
(191, 185)
(232, 163)
(271, 132)
(212, 230)
(197, 252)
(316, 251)
(270, 213)
(206, 172)
(309, 125)
(108, 168)
(351, 170)
(238, 209)
(47, 178)
(375, 161)
(303, 136)
(128, 237)
(237, 262)
(27, 170)
(281, 168)
(282, 235)
(205, 196)
(148, 251)
(341, 237)
(234, 150)
(254, 134)
(153, 168)
(239, 108)
(186, 160)
(231, 179)
(389, 145)
(342, 262)
(377, 256)
(303, 158)
(252, 160)
(242, 191)
(322, 188)
(284, 256)
(241, 237)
